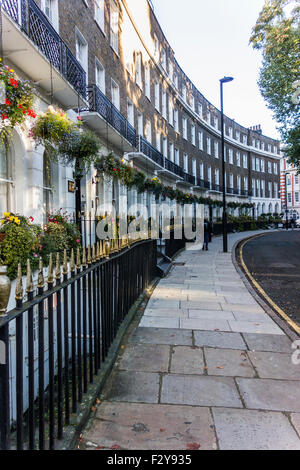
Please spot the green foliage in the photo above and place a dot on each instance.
(277, 35)
(65, 141)
(20, 243)
(24, 240)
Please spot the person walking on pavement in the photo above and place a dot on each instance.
(293, 223)
(207, 232)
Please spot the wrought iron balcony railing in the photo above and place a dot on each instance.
(173, 167)
(38, 28)
(202, 183)
(189, 178)
(100, 104)
(147, 149)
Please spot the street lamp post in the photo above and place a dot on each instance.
(225, 244)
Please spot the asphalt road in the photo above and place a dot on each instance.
(274, 261)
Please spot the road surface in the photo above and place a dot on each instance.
(273, 259)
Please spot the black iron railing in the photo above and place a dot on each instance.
(173, 167)
(54, 344)
(39, 29)
(189, 178)
(100, 104)
(147, 149)
(202, 183)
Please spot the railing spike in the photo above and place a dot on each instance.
(78, 259)
(50, 270)
(41, 281)
(29, 280)
(107, 248)
(94, 253)
(98, 251)
(19, 284)
(89, 258)
(57, 269)
(72, 261)
(102, 254)
(65, 263)
(84, 257)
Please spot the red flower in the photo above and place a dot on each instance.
(6, 101)
(13, 82)
(115, 169)
(4, 117)
(79, 118)
(20, 106)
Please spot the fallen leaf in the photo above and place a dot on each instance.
(243, 354)
(93, 408)
(98, 401)
(115, 447)
(162, 430)
(122, 347)
(193, 446)
(216, 329)
(99, 447)
(220, 367)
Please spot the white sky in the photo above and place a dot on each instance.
(210, 39)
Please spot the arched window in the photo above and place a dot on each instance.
(6, 180)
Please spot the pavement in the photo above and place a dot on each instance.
(274, 262)
(207, 368)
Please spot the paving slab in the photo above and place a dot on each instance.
(252, 317)
(163, 303)
(219, 339)
(275, 365)
(211, 314)
(164, 312)
(159, 322)
(135, 426)
(134, 387)
(228, 363)
(268, 394)
(187, 360)
(255, 327)
(200, 391)
(272, 343)
(295, 419)
(243, 299)
(242, 308)
(146, 358)
(254, 430)
(204, 324)
(198, 305)
(174, 337)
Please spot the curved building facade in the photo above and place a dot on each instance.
(111, 60)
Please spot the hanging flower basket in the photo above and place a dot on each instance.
(64, 140)
(17, 100)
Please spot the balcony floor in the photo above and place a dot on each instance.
(108, 133)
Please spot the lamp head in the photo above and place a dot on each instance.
(226, 79)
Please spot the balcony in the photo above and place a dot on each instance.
(172, 170)
(216, 188)
(105, 119)
(147, 156)
(32, 44)
(188, 180)
(202, 184)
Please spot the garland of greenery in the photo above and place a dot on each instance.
(16, 105)
(132, 177)
(65, 140)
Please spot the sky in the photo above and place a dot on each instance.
(210, 39)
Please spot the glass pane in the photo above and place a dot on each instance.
(3, 162)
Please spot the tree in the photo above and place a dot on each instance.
(277, 35)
